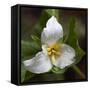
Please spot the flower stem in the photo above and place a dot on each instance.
(78, 71)
(55, 13)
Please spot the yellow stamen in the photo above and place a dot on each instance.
(54, 51)
(48, 49)
(53, 59)
(49, 53)
(56, 46)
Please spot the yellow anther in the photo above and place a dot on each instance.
(48, 49)
(49, 53)
(53, 51)
(53, 59)
(56, 46)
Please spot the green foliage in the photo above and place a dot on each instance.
(23, 72)
(72, 40)
(29, 49)
(36, 40)
(57, 70)
(28, 76)
(53, 12)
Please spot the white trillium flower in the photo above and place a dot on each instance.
(53, 52)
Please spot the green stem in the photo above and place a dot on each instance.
(55, 13)
(78, 71)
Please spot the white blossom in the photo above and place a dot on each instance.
(53, 52)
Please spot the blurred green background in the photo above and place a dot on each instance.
(33, 20)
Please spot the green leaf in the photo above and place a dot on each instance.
(47, 77)
(72, 40)
(29, 49)
(23, 72)
(28, 76)
(79, 53)
(36, 39)
(57, 70)
(44, 17)
(53, 12)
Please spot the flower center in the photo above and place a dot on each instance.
(54, 51)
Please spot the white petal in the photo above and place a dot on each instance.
(67, 56)
(44, 49)
(39, 64)
(52, 32)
